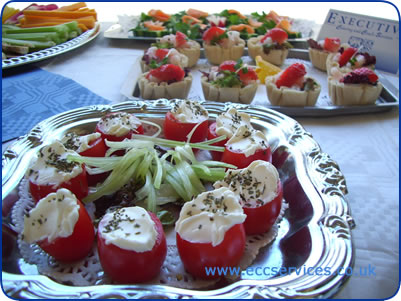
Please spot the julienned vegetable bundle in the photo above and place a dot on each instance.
(194, 22)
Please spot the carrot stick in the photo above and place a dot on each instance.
(89, 21)
(83, 27)
(72, 7)
(60, 14)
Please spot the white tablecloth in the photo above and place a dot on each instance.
(366, 147)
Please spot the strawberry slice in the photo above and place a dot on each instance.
(247, 75)
(180, 39)
(277, 35)
(346, 56)
(228, 65)
(167, 73)
(291, 76)
(332, 44)
(213, 33)
(161, 53)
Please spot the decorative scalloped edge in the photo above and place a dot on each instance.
(334, 228)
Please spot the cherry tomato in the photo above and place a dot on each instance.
(260, 219)
(126, 266)
(139, 130)
(77, 245)
(211, 134)
(97, 148)
(239, 159)
(176, 130)
(77, 185)
(198, 256)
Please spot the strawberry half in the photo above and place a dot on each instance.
(213, 33)
(291, 76)
(346, 56)
(180, 39)
(277, 35)
(332, 44)
(168, 73)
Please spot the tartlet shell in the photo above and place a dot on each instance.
(288, 97)
(151, 90)
(353, 94)
(216, 54)
(318, 58)
(240, 95)
(192, 53)
(275, 56)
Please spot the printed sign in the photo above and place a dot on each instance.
(379, 37)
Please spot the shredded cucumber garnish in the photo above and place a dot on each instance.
(173, 176)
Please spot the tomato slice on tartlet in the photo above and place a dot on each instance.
(182, 119)
(210, 232)
(131, 244)
(61, 226)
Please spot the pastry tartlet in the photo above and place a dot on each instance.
(348, 58)
(155, 57)
(179, 41)
(168, 81)
(272, 47)
(358, 87)
(231, 81)
(292, 88)
(320, 50)
(221, 45)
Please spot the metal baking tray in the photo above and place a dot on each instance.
(389, 98)
(37, 56)
(314, 232)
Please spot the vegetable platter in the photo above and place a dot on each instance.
(314, 229)
(42, 31)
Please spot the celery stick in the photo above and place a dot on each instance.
(60, 29)
(30, 44)
(34, 36)
(215, 174)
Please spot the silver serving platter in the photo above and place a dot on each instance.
(315, 230)
(37, 56)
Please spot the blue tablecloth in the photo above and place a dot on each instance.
(34, 95)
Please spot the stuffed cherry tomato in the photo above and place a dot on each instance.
(246, 146)
(119, 126)
(226, 124)
(260, 192)
(61, 226)
(210, 232)
(131, 244)
(91, 145)
(181, 120)
(51, 170)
